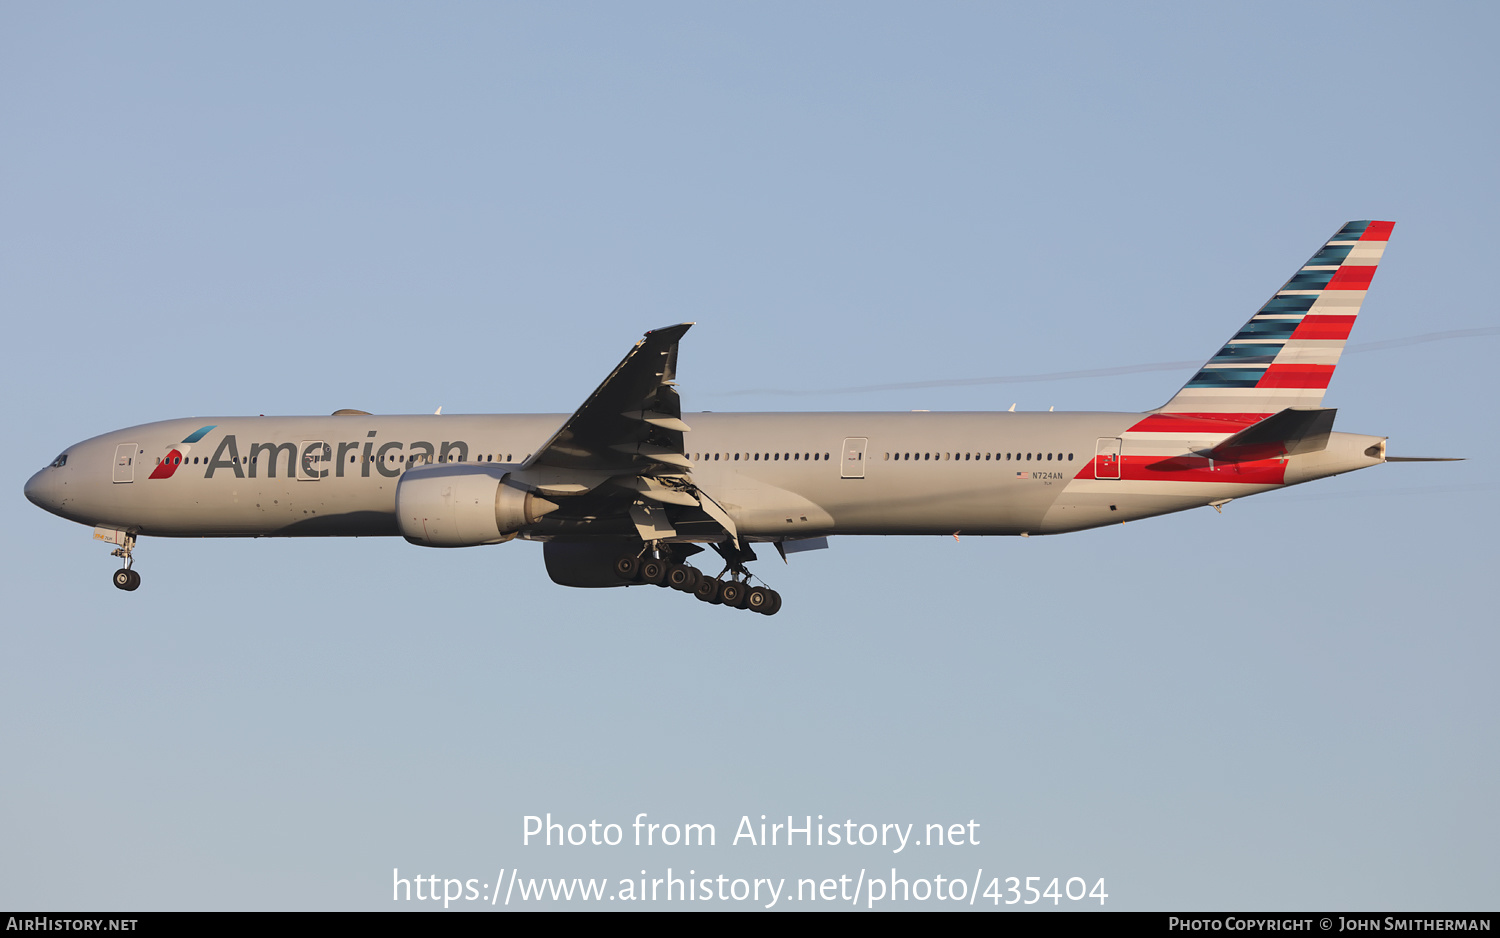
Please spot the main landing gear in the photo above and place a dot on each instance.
(125, 578)
(735, 592)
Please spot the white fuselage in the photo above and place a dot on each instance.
(777, 475)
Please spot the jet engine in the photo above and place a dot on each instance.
(589, 564)
(464, 506)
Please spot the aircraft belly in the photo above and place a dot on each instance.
(890, 505)
(342, 508)
(760, 509)
(1092, 503)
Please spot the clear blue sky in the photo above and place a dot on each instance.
(292, 208)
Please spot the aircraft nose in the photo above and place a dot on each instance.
(40, 491)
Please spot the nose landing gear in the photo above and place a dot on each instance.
(125, 578)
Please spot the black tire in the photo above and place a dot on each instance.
(757, 599)
(707, 590)
(775, 606)
(653, 571)
(682, 577)
(731, 593)
(628, 567)
(135, 581)
(123, 579)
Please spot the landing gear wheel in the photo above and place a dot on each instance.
(653, 571)
(682, 577)
(628, 567)
(775, 606)
(758, 599)
(127, 580)
(731, 593)
(707, 590)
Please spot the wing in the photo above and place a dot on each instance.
(632, 423)
(630, 431)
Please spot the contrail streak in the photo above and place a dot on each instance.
(1352, 348)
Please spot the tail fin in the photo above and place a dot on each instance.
(1285, 355)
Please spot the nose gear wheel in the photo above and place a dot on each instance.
(125, 578)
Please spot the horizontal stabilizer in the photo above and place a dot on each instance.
(1286, 433)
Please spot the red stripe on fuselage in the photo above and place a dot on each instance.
(1196, 423)
(1194, 469)
(1324, 327)
(1296, 376)
(1197, 469)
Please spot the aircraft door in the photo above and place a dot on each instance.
(1107, 458)
(125, 455)
(313, 465)
(852, 466)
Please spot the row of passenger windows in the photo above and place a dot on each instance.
(400, 457)
(957, 457)
(716, 457)
(491, 457)
(759, 457)
(979, 457)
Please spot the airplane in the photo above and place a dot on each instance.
(627, 489)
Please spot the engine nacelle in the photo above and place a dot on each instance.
(464, 506)
(588, 564)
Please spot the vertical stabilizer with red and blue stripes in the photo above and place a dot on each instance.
(1285, 355)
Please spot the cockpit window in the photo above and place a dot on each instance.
(60, 461)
